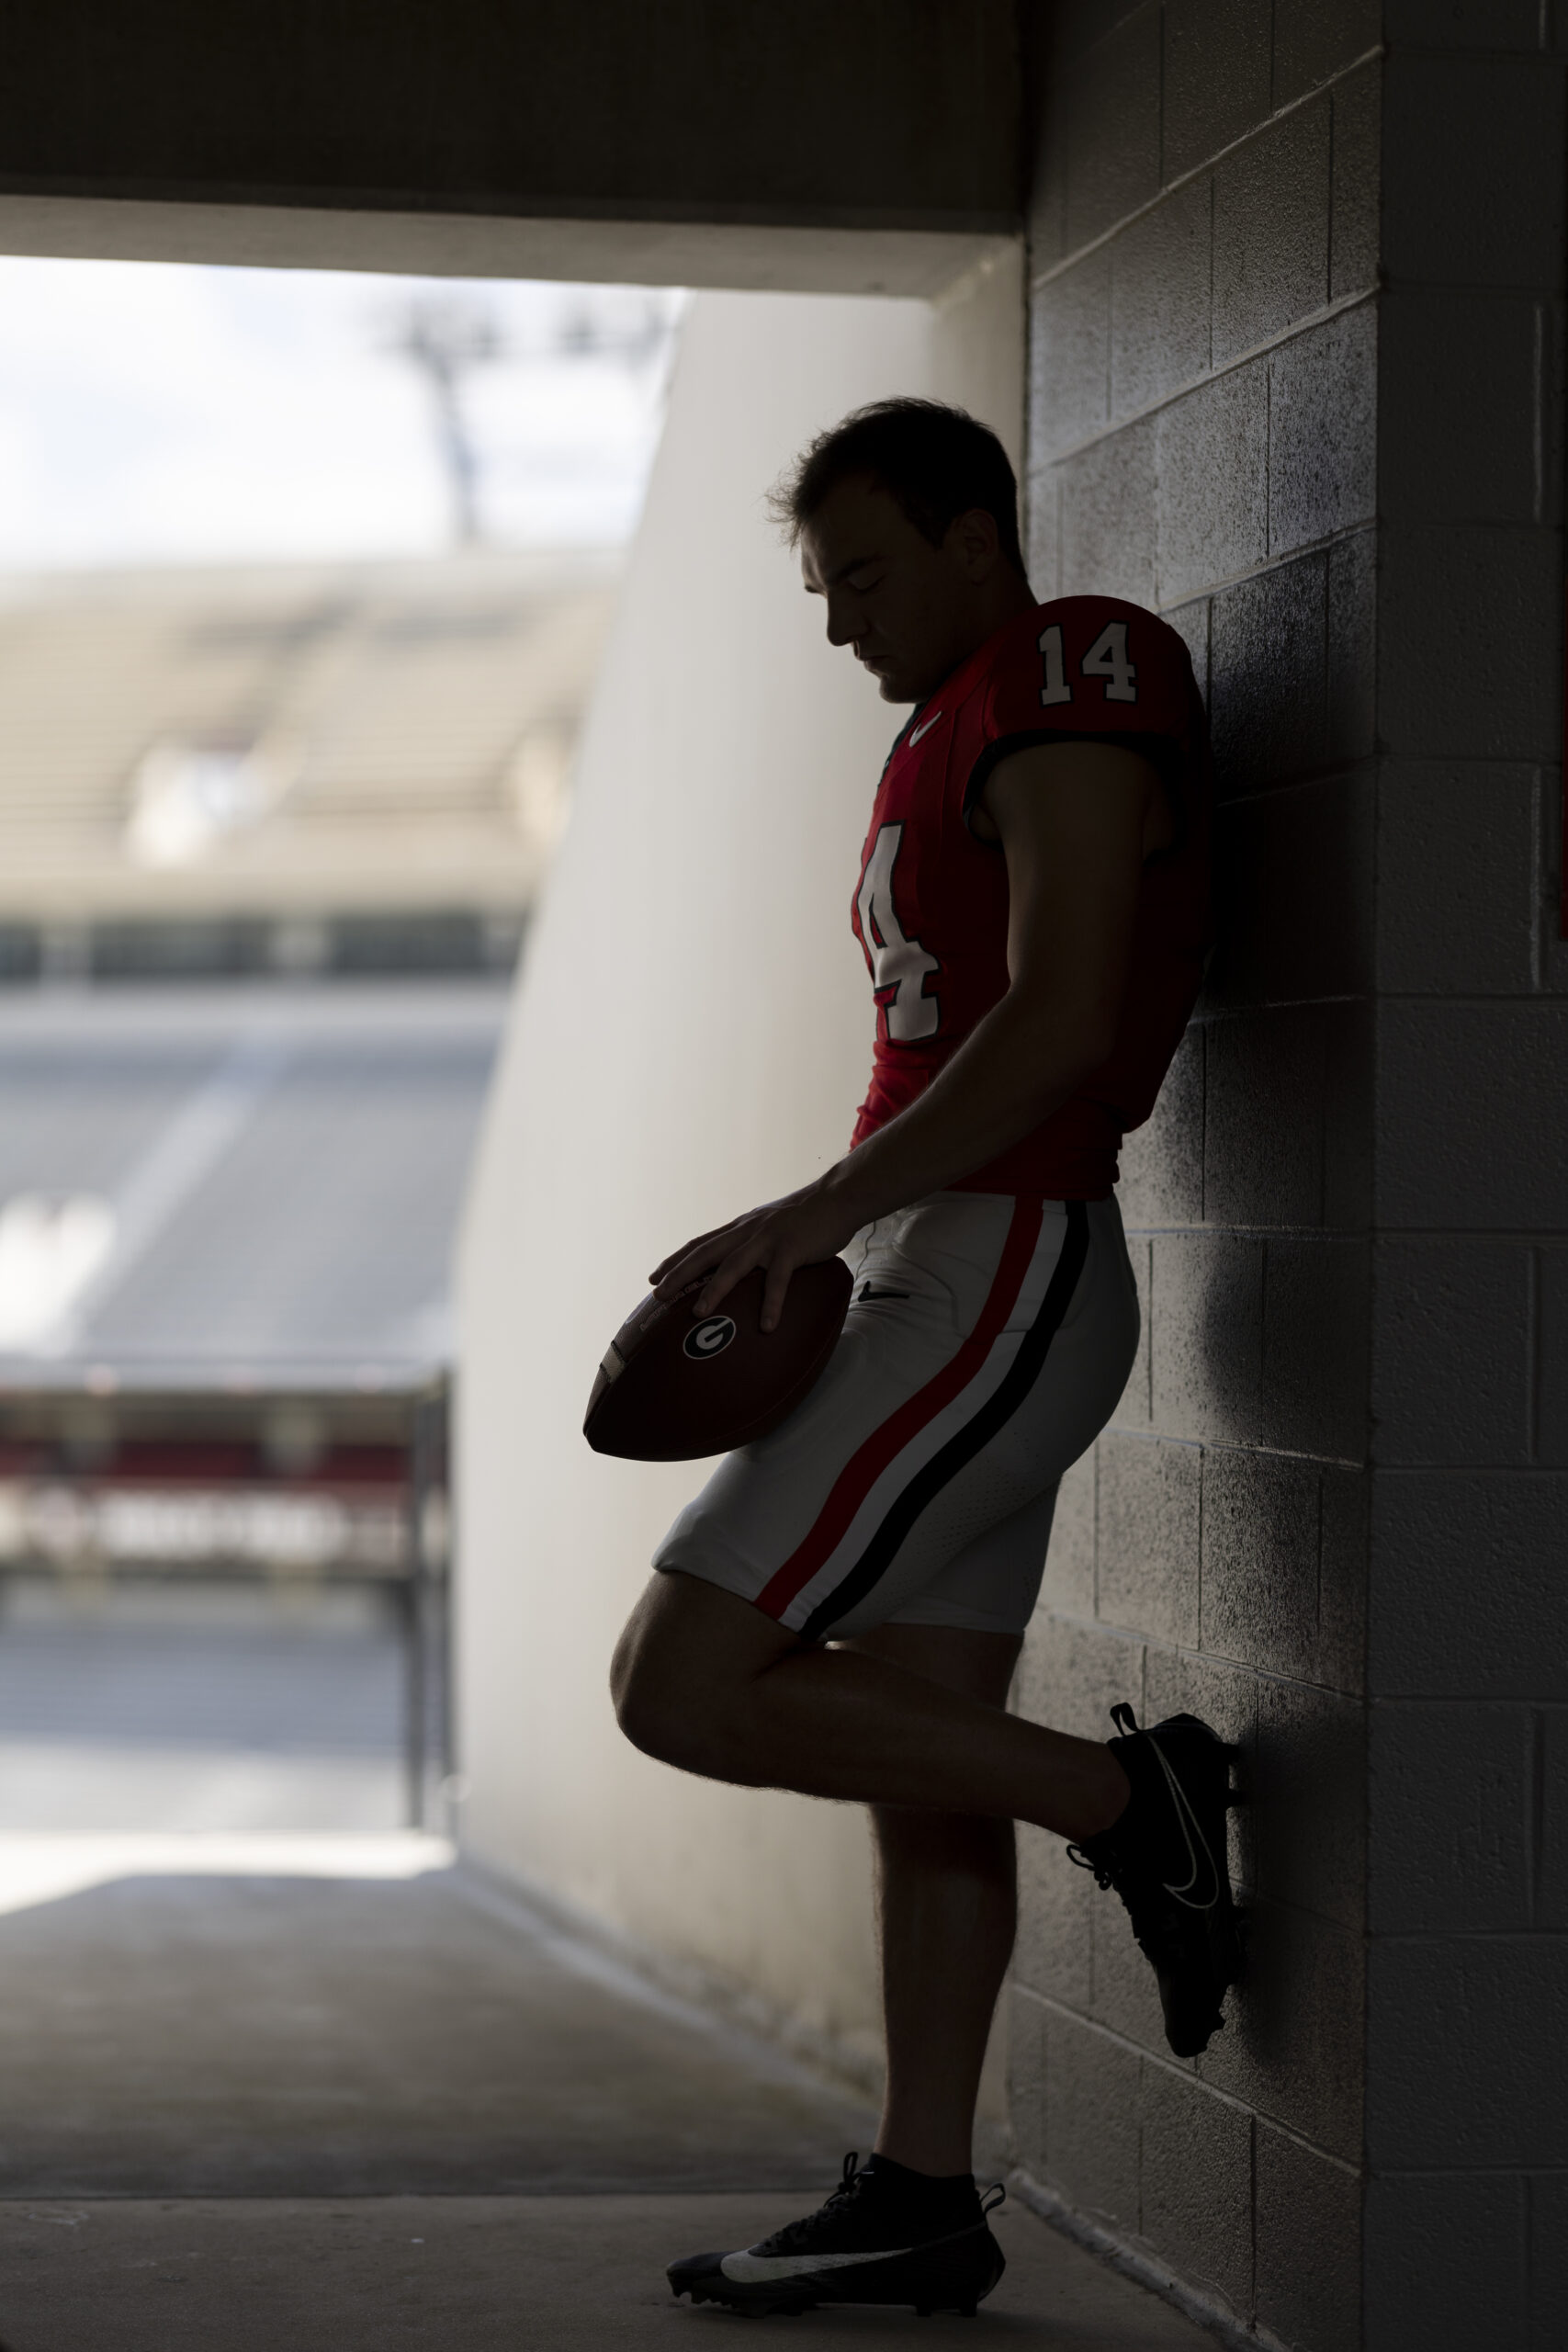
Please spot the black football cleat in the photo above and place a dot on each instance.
(1165, 1857)
(869, 2243)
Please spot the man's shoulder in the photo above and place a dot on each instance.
(1083, 660)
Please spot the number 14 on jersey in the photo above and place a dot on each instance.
(1106, 658)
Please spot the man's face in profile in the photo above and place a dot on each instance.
(906, 608)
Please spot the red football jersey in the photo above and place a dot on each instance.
(930, 911)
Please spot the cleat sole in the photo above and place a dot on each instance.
(930, 2280)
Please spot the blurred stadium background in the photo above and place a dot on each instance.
(279, 780)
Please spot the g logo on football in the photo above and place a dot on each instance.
(709, 1338)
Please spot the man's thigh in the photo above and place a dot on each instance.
(980, 1665)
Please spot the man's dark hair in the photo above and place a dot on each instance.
(936, 462)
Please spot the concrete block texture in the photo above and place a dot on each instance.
(1551, 1357)
(1217, 75)
(1459, 383)
(1271, 232)
(1269, 691)
(1292, 2046)
(1317, 39)
(1457, 878)
(1071, 1676)
(1102, 136)
(1109, 517)
(1549, 1822)
(1162, 1161)
(1092, 2135)
(1213, 486)
(1547, 2194)
(1467, 1595)
(1322, 401)
(1352, 648)
(1135, 1407)
(1494, 2011)
(1287, 1107)
(1454, 1345)
(1445, 2261)
(1473, 185)
(1317, 1303)
(1069, 357)
(1160, 269)
(1354, 243)
(1043, 532)
(1206, 1319)
(1261, 1535)
(1222, 1368)
(1469, 1125)
(1296, 899)
(1307, 1801)
(1307, 2232)
(1190, 623)
(1450, 1794)
(1148, 1518)
(1470, 623)
(1345, 1503)
(1283, 1565)
(1197, 2184)
(1465, 24)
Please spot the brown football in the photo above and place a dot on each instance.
(674, 1386)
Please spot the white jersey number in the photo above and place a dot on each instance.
(898, 965)
(1106, 658)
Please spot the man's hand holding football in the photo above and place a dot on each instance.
(798, 1231)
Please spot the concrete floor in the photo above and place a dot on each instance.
(346, 2114)
(251, 2037)
(487, 2274)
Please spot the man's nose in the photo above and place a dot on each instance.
(840, 623)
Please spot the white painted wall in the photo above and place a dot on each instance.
(691, 1035)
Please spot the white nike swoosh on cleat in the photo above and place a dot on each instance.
(1187, 1821)
(924, 731)
(752, 2270)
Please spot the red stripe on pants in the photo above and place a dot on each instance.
(864, 1468)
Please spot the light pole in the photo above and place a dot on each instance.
(446, 337)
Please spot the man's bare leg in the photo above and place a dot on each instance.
(947, 1911)
(705, 1681)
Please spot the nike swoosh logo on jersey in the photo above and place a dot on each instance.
(924, 731)
(751, 2269)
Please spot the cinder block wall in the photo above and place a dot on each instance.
(1204, 251)
(1317, 421)
(1467, 1668)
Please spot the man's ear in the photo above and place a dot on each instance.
(976, 542)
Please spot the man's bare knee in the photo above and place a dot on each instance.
(681, 1670)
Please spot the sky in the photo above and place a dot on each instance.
(154, 412)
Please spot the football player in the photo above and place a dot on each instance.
(841, 1609)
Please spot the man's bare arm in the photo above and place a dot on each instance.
(1074, 822)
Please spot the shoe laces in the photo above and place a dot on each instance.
(852, 2184)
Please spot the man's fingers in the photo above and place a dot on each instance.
(773, 1291)
(725, 1276)
(688, 1266)
(688, 1250)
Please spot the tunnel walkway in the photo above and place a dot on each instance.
(330, 2094)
